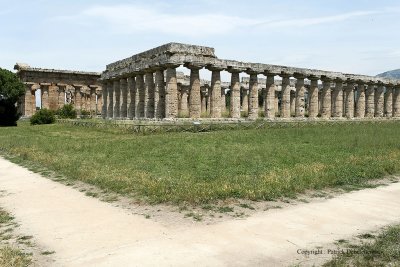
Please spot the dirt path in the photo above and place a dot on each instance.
(84, 231)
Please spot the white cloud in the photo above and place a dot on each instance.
(132, 19)
(303, 22)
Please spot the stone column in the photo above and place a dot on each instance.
(396, 102)
(123, 85)
(234, 108)
(261, 94)
(313, 98)
(110, 101)
(379, 101)
(223, 100)
(215, 91)
(194, 93)
(326, 99)
(171, 94)
(208, 100)
(131, 97)
(117, 99)
(183, 103)
(337, 99)
(53, 97)
(78, 99)
(292, 101)
(27, 101)
(349, 104)
(149, 101)
(92, 101)
(276, 103)
(389, 101)
(270, 109)
(45, 95)
(61, 95)
(104, 112)
(203, 95)
(360, 102)
(245, 100)
(140, 96)
(99, 103)
(253, 98)
(300, 97)
(370, 108)
(285, 101)
(160, 92)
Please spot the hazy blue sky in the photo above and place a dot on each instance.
(347, 36)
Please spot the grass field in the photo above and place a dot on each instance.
(382, 250)
(204, 167)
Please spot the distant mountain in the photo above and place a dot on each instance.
(390, 74)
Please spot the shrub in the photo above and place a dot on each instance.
(67, 112)
(43, 116)
(8, 113)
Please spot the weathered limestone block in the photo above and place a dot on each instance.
(171, 94)
(379, 101)
(245, 99)
(110, 101)
(285, 102)
(160, 90)
(131, 97)
(370, 108)
(45, 96)
(313, 96)
(140, 96)
(215, 91)
(360, 103)
(349, 104)
(396, 102)
(270, 103)
(105, 100)
(235, 95)
(389, 102)
(300, 98)
(123, 83)
(149, 102)
(194, 94)
(253, 91)
(117, 99)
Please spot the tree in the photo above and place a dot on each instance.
(11, 89)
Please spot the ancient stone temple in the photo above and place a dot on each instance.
(147, 86)
(59, 87)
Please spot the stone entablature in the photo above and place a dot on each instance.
(59, 87)
(147, 85)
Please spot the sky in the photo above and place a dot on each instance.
(347, 36)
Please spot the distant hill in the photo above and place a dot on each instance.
(390, 74)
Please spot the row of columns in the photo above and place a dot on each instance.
(148, 94)
(54, 96)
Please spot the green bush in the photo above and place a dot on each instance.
(67, 112)
(43, 116)
(85, 113)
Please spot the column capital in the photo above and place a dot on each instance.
(313, 77)
(232, 69)
(299, 76)
(269, 73)
(250, 71)
(193, 66)
(212, 67)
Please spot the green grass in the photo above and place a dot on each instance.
(201, 168)
(383, 251)
(10, 257)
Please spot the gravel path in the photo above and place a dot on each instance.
(84, 231)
